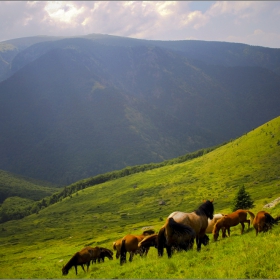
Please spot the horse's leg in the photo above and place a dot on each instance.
(76, 269)
(83, 267)
(249, 223)
(198, 244)
(243, 226)
(168, 250)
(131, 256)
(224, 232)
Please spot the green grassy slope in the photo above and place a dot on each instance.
(38, 245)
(15, 185)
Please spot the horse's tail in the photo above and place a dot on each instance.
(252, 216)
(161, 241)
(270, 220)
(180, 228)
(277, 218)
(123, 253)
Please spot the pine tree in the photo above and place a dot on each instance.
(242, 200)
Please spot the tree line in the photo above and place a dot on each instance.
(15, 213)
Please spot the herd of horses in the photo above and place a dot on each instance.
(180, 232)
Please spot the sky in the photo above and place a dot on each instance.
(249, 22)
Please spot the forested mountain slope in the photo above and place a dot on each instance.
(76, 107)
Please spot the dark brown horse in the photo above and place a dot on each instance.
(264, 221)
(85, 256)
(80, 258)
(129, 243)
(175, 235)
(152, 241)
(231, 220)
(101, 253)
(197, 220)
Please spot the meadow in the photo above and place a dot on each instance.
(38, 245)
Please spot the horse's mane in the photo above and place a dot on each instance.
(206, 208)
(217, 223)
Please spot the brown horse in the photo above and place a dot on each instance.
(147, 242)
(85, 256)
(175, 235)
(80, 258)
(197, 220)
(231, 220)
(101, 254)
(118, 243)
(264, 221)
(129, 243)
(152, 241)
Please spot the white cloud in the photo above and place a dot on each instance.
(161, 20)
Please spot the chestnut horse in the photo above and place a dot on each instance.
(129, 243)
(197, 220)
(231, 220)
(264, 221)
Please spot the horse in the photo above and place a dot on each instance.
(152, 241)
(263, 221)
(231, 220)
(178, 236)
(101, 254)
(212, 222)
(80, 258)
(129, 243)
(197, 220)
(147, 242)
(117, 244)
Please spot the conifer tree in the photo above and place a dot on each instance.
(242, 200)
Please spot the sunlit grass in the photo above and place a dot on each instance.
(38, 245)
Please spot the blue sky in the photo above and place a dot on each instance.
(249, 22)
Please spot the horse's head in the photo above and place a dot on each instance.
(216, 230)
(64, 271)
(104, 252)
(205, 240)
(207, 208)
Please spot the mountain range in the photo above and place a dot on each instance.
(72, 108)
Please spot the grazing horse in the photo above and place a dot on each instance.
(176, 235)
(129, 243)
(231, 220)
(118, 243)
(101, 254)
(212, 222)
(147, 242)
(197, 220)
(263, 222)
(80, 258)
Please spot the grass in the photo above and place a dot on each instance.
(38, 245)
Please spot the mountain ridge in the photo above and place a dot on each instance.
(77, 107)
